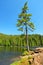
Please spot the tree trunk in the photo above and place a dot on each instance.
(27, 38)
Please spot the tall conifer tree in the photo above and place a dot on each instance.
(24, 23)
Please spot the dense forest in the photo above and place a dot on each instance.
(19, 40)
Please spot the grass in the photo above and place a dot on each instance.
(16, 63)
(23, 61)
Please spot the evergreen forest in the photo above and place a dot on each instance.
(20, 40)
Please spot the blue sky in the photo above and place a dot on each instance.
(9, 10)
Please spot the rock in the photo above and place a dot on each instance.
(31, 52)
(37, 50)
(36, 60)
(31, 61)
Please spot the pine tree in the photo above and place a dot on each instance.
(24, 23)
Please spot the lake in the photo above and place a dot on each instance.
(9, 54)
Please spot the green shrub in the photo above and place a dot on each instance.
(25, 53)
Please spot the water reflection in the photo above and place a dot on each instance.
(7, 53)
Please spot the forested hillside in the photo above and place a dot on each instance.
(19, 40)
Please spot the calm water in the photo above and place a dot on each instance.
(9, 54)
